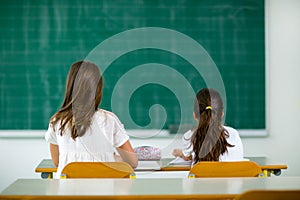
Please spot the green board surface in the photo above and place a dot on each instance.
(41, 39)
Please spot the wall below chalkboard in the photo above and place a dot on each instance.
(41, 39)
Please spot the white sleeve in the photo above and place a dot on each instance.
(119, 133)
(239, 149)
(187, 145)
(235, 153)
(50, 135)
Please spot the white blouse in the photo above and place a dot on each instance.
(97, 144)
(235, 153)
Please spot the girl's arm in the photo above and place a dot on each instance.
(177, 153)
(54, 153)
(128, 155)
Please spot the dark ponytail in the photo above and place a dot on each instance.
(209, 138)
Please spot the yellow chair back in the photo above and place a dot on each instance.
(225, 169)
(97, 170)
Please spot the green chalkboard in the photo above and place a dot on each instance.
(41, 39)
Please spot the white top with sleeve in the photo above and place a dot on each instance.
(96, 145)
(235, 153)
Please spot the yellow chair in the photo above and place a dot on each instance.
(269, 194)
(225, 169)
(97, 170)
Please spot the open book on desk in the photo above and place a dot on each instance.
(144, 165)
(180, 161)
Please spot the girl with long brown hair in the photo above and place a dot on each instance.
(81, 132)
(210, 140)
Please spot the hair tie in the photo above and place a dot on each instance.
(208, 108)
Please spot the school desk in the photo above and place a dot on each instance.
(212, 188)
(47, 168)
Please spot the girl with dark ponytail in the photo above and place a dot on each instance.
(210, 140)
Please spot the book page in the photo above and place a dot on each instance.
(147, 165)
(180, 161)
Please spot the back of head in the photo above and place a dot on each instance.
(209, 139)
(82, 98)
(208, 99)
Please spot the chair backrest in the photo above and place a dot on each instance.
(97, 170)
(269, 195)
(225, 169)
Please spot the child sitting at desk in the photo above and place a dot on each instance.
(211, 140)
(80, 131)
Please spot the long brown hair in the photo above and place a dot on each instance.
(209, 138)
(82, 97)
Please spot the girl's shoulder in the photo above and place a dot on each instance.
(108, 120)
(233, 133)
(230, 130)
(106, 115)
(188, 134)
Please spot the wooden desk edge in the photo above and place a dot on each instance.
(187, 168)
(271, 167)
(175, 168)
(45, 169)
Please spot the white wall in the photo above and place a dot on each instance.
(284, 87)
(19, 157)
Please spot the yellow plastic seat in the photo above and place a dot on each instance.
(97, 170)
(225, 169)
(269, 195)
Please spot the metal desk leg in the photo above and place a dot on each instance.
(46, 175)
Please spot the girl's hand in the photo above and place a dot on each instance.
(177, 153)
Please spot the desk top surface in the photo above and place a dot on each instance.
(122, 187)
(46, 165)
